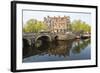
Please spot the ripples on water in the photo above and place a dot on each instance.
(58, 51)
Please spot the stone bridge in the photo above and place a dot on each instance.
(33, 37)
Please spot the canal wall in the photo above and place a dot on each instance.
(66, 36)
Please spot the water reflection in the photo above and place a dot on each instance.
(80, 45)
(57, 50)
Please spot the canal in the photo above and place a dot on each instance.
(78, 49)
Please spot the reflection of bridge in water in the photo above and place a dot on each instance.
(59, 48)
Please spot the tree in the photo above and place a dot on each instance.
(78, 26)
(33, 25)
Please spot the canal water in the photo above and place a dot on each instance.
(79, 49)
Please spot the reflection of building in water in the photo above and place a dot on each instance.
(62, 49)
(59, 49)
(58, 24)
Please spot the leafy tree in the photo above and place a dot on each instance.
(78, 26)
(33, 25)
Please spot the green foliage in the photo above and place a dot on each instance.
(33, 25)
(78, 26)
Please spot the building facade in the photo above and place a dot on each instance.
(58, 24)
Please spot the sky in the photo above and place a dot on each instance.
(39, 15)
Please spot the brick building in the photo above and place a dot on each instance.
(58, 24)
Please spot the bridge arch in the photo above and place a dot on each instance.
(41, 37)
